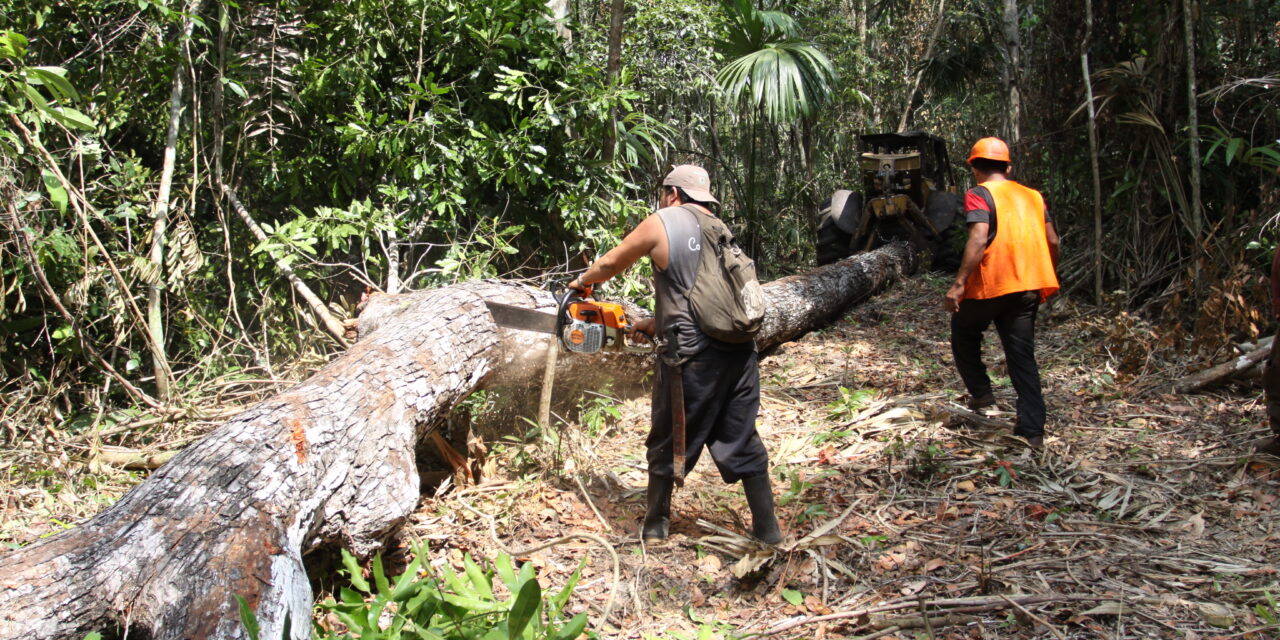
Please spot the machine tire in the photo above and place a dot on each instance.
(833, 244)
(946, 211)
(846, 210)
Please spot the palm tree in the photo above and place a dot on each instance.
(771, 69)
(772, 74)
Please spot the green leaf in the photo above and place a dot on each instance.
(1233, 149)
(407, 580)
(36, 99)
(557, 602)
(574, 629)
(71, 118)
(93, 635)
(506, 572)
(53, 187)
(355, 572)
(481, 582)
(236, 88)
(380, 576)
(63, 332)
(12, 44)
(527, 602)
(792, 596)
(247, 618)
(55, 79)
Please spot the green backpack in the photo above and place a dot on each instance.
(726, 299)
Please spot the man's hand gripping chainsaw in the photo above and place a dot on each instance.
(588, 325)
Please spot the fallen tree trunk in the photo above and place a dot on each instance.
(328, 462)
(1229, 370)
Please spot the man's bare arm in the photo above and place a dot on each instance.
(636, 245)
(1051, 235)
(973, 249)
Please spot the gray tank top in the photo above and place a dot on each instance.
(676, 324)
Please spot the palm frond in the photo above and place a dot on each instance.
(785, 80)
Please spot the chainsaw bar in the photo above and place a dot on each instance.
(514, 317)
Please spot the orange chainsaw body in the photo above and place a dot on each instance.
(591, 326)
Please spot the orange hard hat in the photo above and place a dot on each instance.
(991, 149)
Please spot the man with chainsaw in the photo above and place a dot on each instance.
(1006, 272)
(707, 391)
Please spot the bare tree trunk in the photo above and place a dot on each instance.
(393, 261)
(614, 61)
(1093, 154)
(1013, 46)
(1193, 118)
(160, 213)
(330, 323)
(928, 54)
(328, 462)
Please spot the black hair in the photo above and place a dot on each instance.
(987, 165)
(686, 199)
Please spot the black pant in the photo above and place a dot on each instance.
(721, 401)
(1015, 319)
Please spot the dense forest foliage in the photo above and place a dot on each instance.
(179, 177)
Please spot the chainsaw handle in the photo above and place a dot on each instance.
(638, 342)
(584, 291)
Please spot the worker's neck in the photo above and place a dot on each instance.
(994, 176)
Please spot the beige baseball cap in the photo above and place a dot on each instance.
(693, 179)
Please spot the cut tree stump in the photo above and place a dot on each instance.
(329, 462)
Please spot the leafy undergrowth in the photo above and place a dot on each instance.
(1142, 517)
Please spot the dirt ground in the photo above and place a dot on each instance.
(1143, 516)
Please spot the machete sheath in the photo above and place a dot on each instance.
(677, 423)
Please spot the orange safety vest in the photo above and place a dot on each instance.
(1018, 258)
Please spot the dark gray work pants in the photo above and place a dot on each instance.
(1015, 318)
(722, 399)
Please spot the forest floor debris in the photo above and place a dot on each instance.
(907, 517)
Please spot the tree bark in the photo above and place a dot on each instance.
(1193, 120)
(613, 63)
(328, 462)
(1093, 153)
(1013, 66)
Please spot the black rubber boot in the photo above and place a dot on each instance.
(659, 513)
(764, 524)
(1270, 446)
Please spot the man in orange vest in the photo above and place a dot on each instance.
(1006, 272)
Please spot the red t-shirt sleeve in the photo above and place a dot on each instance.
(975, 206)
(973, 201)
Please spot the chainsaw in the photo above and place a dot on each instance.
(582, 323)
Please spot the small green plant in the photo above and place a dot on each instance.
(810, 512)
(1003, 470)
(795, 484)
(928, 461)
(597, 411)
(451, 606)
(822, 437)
(849, 403)
(1269, 611)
